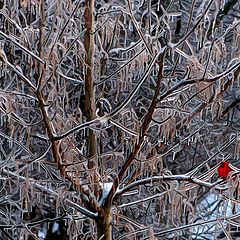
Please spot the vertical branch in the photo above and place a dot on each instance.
(143, 132)
(40, 95)
(41, 67)
(90, 107)
(41, 29)
(89, 77)
(56, 152)
(50, 132)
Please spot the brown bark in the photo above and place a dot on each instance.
(40, 95)
(50, 133)
(104, 225)
(90, 107)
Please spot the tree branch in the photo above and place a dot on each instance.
(144, 127)
(159, 179)
(76, 206)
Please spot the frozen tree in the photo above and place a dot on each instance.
(114, 116)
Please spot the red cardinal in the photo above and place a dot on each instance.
(224, 169)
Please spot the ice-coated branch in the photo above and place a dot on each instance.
(22, 47)
(131, 95)
(200, 223)
(156, 179)
(76, 206)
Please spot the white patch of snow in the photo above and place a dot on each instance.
(42, 233)
(55, 227)
(106, 187)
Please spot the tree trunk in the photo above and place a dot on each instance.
(89, 77)
(104, 225)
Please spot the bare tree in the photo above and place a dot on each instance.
(114, 116)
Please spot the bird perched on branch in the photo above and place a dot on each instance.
(224, 169)
(103, 107)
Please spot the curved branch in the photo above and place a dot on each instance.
(155, 179)
(77, 128)
(131, 95)
(193, 28)
(120, 68)
(22, 47)
(235, 67)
